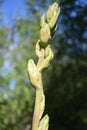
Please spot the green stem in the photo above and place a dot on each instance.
(36, 114)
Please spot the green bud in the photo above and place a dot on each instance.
(47, 58)
(52, 15)
(34, 74)
(45, 34)
(44, 123)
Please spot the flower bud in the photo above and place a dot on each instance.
(44, 123)
(45, 34)
(48, 56)
(52, 15)
(34, 74)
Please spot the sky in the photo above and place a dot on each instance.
(10, 8)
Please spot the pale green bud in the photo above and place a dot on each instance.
(45, 34)
(48, 56)
(38, 49)
(44, 123)
(52, 15)
(49, 53)
(34, 74)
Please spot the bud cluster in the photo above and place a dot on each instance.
(45, 56)
(48, 24)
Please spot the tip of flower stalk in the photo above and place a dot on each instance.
(52, 15)
(48, 24)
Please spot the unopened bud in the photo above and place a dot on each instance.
(34, 74)
(52, 15)
(44, 123)
(47, 58)
(45, 34)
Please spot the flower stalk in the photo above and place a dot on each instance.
(45, 55)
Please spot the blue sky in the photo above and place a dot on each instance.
(10, 8)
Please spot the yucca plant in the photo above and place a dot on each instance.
(45, 55)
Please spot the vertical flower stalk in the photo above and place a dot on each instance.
(45, 55)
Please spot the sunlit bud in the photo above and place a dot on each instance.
(44, 123)
(45, 34)
(52, 15)
(47, 58)
(49, 53)
(34, 74)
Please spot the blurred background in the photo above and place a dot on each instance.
(65, 81)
